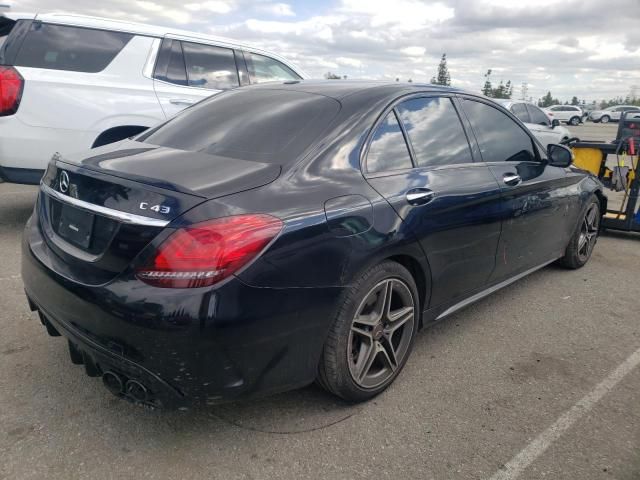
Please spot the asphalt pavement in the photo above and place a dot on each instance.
(540, 380)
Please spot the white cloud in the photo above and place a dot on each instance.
(414, 51)
(406, 14)
(277, 9)
(213, 6)
(349, 62)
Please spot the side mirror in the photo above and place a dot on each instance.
(555, 122)
(559, 155)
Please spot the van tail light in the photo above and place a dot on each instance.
(11, 85)
(207, 252)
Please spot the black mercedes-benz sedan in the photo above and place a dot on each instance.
(279, 234)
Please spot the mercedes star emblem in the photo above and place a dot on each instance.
(64, 182)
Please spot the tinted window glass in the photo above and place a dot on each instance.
(58, 47)
(273, 126)
(265, 69)
(210, 67)
(388, 149)
(6, 25)
(435, 131)
(176, 72)
(520, 111)
(499, 137)
(537, 115)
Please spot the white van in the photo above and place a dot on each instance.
(70, 82)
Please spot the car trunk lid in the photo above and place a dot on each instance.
(96, 215)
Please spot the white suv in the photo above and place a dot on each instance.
(69, 82)
(565, 113)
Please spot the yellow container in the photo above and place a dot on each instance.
(589, 159)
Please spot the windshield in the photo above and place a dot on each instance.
(265, 125)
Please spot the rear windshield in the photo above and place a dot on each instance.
(75, 49)
(271, 126)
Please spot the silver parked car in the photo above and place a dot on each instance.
(611, 113)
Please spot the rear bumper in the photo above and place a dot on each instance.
(25, 147)
(97, 361)
(185, 346)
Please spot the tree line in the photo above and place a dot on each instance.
(505, 89)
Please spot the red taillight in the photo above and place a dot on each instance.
(205, 253)
(11, 84)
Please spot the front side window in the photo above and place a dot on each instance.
(500, 138)
(210, 67)
(520, 111)
(75, 49)
(266, 69)
(388, 150)
(537, 115)
(435, 131)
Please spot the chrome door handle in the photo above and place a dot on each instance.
(181, 101)
(512, 179)
(420, 196)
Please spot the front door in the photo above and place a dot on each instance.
(536, 196)
(450, 202)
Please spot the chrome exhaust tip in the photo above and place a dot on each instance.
(136, 391)
(113, 382)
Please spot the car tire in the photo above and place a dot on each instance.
(584, 238)
(605, 119)
(374, 323)
(575, 121)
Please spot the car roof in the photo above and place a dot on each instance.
(143, 29)
(339, 89)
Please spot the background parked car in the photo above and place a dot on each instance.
(565, 113)
(72, 82)
(611, 113)
(537, 121)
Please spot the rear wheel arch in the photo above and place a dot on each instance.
(603, 201)
(420, 276)
(115, 134)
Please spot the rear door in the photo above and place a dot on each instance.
(536, 196)
(187, 72)
(449, 201)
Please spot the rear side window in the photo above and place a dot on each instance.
(6, 25)
(537, 115)
(266, 69)
(210, 67)
(435, 131)
(58, 47)
(388, 149)
(520, 111)
(263, 125)
(500, 138)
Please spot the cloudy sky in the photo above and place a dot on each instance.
(587, 48)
